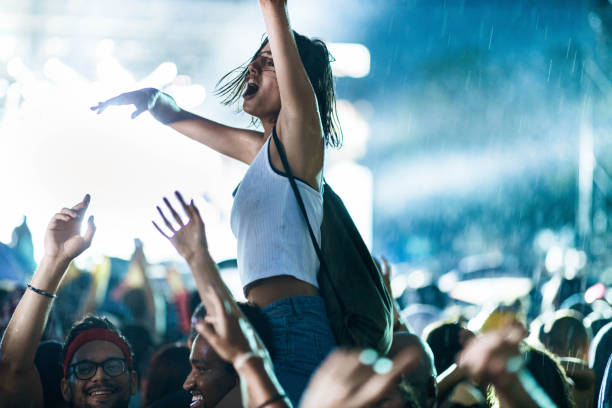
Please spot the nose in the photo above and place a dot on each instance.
(253, 67)
(99, 375)
(189, 382)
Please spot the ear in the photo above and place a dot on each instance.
(133, 382)
(66, 390)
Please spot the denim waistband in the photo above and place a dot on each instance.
(295, 305)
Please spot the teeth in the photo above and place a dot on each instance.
(100, 392)
(197, 398)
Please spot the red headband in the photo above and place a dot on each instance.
(96, 334)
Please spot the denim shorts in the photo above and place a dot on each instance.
(301, 340)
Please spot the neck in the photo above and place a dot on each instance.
(268, 125)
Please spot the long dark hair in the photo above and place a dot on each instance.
(316, 59)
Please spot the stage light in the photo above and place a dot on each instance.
(8, 46)
(110, 71)
(187, 96)
(554, 259)
(57, 71)
(163, 75)
(350, 60)
(15, 67)
(105, 48)
(3, 87)
(447, 282)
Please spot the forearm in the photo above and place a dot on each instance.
(206, 275)
(257, 376)
(518, 394)
(448, 379)
(25, 329)
(296, 91)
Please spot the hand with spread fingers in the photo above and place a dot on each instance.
(20, 383)
(225, 327)
(63, 239)
(161, 105)
(190, 238)
(355, 378)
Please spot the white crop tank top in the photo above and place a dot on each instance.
(273, 238)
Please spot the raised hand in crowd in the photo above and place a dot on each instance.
(495, 358)
(356, 378)
(235, 340)
(19, 381)
(232, 335)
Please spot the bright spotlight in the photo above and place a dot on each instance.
(350, 60)
(15, 67)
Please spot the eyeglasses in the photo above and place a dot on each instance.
(84, 370)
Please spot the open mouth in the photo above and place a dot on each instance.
(251, 90)
(197, 401)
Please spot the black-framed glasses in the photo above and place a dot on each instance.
(113, 367)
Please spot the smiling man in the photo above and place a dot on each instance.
(212, 382)
(97, 365)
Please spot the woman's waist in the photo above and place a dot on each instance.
(265, 291)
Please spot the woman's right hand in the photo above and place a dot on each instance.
(143, 99)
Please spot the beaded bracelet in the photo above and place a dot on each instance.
(41, 292)
(273, 399)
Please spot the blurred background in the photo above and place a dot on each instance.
(477, 134)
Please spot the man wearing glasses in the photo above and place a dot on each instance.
(97, 366)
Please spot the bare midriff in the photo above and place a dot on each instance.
(262, 292)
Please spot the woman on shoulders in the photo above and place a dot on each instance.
(288, 87)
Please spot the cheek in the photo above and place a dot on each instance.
(215, 384)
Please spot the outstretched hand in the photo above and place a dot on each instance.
(190, 237)
(142, 99)
(63, 239)
(230, 335)
(355, 378)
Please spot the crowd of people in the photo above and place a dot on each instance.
(100, 343)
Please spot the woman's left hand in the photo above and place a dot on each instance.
(190, 238)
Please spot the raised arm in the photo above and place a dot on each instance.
(232, 337)
(298, 124)
(235, 340)
(239, 144)
(19, 381)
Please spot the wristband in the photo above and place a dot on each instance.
(242, 359)
(41, 292)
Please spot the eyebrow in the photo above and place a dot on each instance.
(265, 52)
